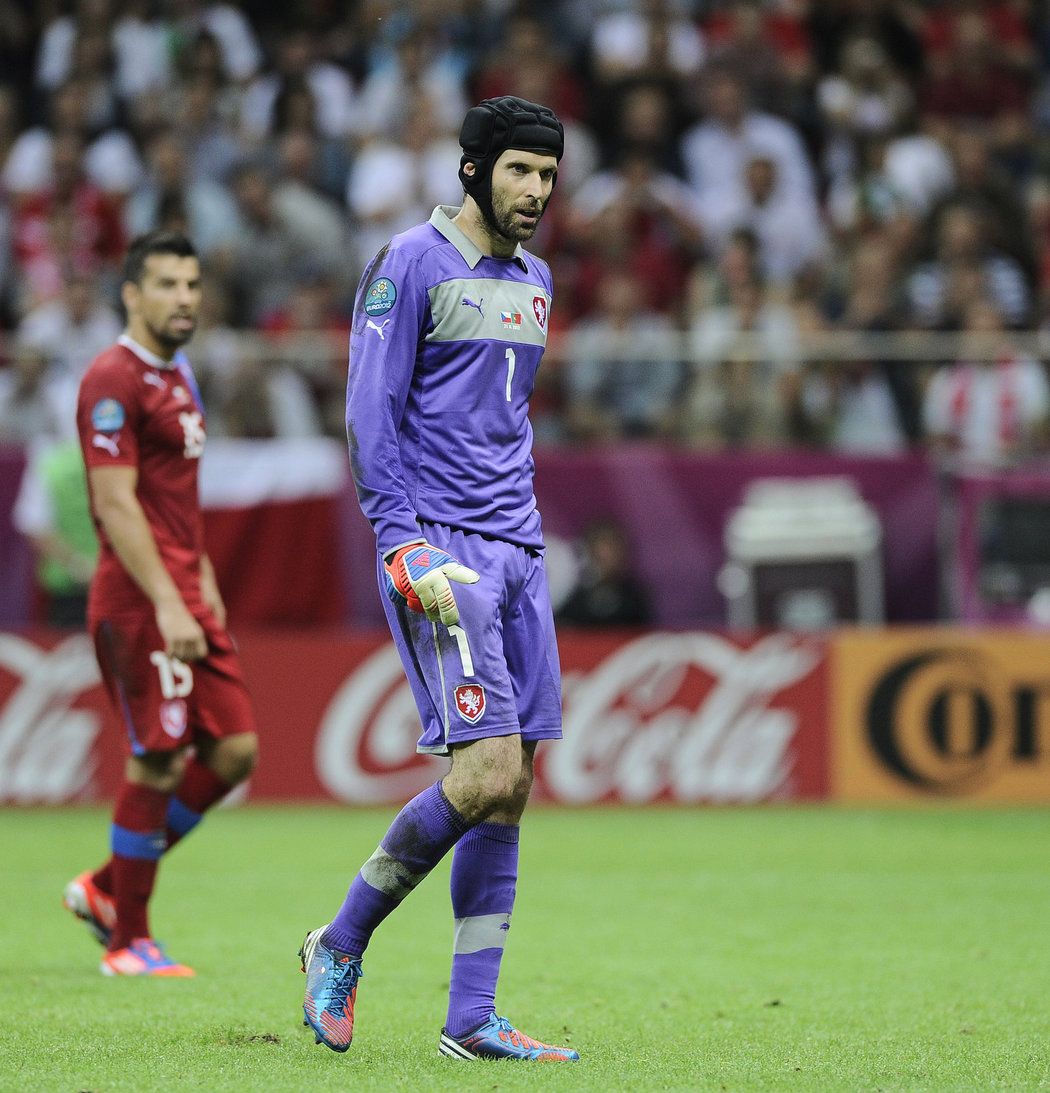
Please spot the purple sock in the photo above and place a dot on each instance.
(422, 833)
(484, 879)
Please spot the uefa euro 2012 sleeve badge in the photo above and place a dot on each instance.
(380, 296)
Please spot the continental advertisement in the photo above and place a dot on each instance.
(935, 714)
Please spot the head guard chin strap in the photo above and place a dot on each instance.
(495, 125)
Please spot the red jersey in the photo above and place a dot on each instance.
(136, 410)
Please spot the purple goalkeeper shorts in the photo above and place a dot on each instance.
(497, 671)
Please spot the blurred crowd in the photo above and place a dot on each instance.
(740, 177)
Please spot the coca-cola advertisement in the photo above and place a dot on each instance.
(691, 717)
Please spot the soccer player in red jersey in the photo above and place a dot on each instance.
(154, 609)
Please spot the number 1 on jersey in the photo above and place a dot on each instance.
(511, 361)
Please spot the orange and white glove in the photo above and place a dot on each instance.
(418, 577)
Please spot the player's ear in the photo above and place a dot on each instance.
(470, 169)
(129, 295)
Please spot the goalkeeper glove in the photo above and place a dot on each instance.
(418, 575)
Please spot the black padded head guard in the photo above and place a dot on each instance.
(495, 125)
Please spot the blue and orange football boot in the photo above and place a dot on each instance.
(143, 956)
(497, 1038)
(331, 991)
(91, 905)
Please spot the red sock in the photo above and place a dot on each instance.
(199, 789)
(103, 877)
(138, 842)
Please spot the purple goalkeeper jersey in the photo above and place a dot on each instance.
(443, 356)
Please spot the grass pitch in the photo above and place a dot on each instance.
(765, 949)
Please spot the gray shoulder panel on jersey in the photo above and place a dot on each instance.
(468, 309)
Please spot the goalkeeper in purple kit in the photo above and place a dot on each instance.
(450, 323)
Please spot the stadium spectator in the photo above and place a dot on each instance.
(868, 198)
(51, 510)
(205, 109)
(69, 224)
(140, 44)
(309, 335)
(983, 184)
(73, 328)
(210, 213)
(275, 245)
(745, 356)
(217, 348)
(299, 63)
(400, 79)
(533, 78)
(917, 166)
(300, 202)
(639, 218)
(962, 258)
(833, 23)
(715, 284)
(769, 46)
(35, 405)
(328, 158)
(621, 375)
(1005, 24)
(92, 67)
(653, 39)
(264, 399)
(865, 98)
(54, 57)
(227, 25)
(993, 408)
(976, 85)
(525, 56)
(607, 593)
(418, 171)
(646, 115)
(111, 161)
(786, 224)
(861, 405)
(717, 151)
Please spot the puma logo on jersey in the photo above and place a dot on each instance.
(468, 302)
(378, 329)
(106, 443)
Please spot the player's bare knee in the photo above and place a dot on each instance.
(160, 770)
(233, 758)
(498, 788)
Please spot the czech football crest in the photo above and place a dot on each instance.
(173, 717)
(470, 701)
(539, 309)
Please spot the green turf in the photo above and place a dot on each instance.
(795, 949)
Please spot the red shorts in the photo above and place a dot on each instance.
(165, 704)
